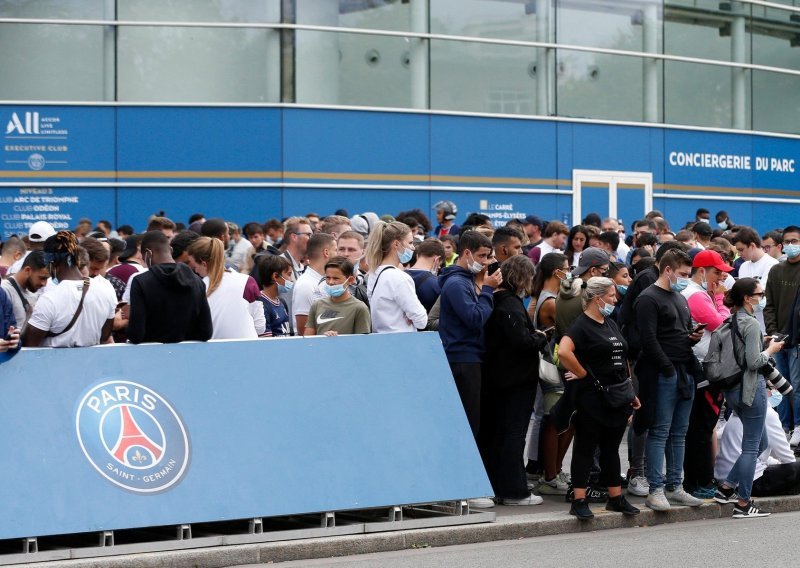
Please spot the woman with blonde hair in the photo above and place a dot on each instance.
(233, 316)
(393, 301)
(599, 398)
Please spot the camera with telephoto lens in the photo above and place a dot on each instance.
(774, 378)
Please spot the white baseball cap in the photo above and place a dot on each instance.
(40, 231)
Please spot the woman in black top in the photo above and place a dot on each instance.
(510, 376)
(594, 351)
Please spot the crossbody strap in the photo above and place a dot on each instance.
(378, 277)
(25, 303)
(77, 312)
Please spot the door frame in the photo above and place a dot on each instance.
(613, 179)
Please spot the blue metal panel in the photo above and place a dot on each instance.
(493, 148)
(153, 139)
(500, 207)
(42, 139)
(693, 142)
(356, 142)
(616, 148)
(274, 427)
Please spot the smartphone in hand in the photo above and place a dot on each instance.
(492, 268)
(700, 327)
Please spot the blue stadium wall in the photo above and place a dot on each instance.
(61, 163)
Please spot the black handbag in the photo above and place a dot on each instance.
(617, 395)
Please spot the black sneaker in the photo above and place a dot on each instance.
(570, 494)
(725, 495)
(749, 511)
(580, 508)
(596, 495)
(621, 505)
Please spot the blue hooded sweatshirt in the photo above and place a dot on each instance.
(463, 314)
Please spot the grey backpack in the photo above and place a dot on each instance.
(721, 365)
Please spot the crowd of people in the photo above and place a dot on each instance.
(556, 336)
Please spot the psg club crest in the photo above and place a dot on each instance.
(132, 436)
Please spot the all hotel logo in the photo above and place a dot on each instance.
(29, 124)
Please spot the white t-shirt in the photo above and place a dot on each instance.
(19, 308)
(126, 295)
(307, 290)
(56, 308)
(393, 301)
(230, 312)
(760, 270)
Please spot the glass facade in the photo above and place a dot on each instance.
(707, 63)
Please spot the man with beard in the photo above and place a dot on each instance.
(22, 286)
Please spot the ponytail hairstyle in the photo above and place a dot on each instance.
(734, 298)
(211, 251)
(380, 241)
(596, 286)
(61, 248)
(547, 266)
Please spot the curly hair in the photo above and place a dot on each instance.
(61, 248)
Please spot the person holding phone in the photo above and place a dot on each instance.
(748, 399)
(704, 294)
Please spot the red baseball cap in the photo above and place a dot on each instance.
(710, 259)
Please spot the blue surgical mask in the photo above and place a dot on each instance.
(286, 286)
(723, 225)
(336, 290)
(679, 285)
(775, 399)
(405, 256)
(759, 307)
(791, 251)
(607, 309)
(622, 289)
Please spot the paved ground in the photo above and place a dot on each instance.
(720, 542)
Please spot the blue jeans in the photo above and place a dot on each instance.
(754, 438)
(667, 436)
(788, 360)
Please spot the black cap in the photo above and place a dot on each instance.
(131, 245)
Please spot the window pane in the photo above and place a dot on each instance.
(776, 106)
(51, 62)
(374, 14)
(474, 77)
(703, 95)
(199, 64)
(350, 69)
(613, 87)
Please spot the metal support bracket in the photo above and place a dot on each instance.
(106, 538)
(328, 520)
(184, 532)
(256, 526)
(395, 514)
(30, 545)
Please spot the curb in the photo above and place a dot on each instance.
(504, 528)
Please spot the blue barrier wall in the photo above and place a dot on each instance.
(127, 436)
(125, 163)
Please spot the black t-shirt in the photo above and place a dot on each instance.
(600, 348)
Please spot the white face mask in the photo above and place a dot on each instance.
(475, 267)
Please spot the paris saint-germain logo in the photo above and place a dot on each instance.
(132, 436)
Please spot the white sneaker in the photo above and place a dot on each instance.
(680, 497)
(481, 503)
(657, 501)
(795, 439)
(565, 477)
(556, 486)
(529, 500)
(639, 486)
